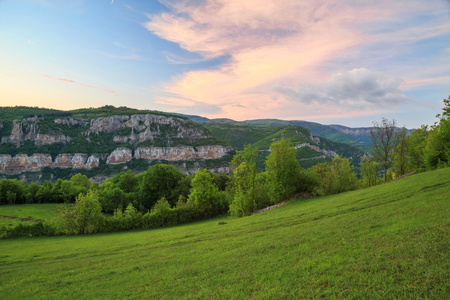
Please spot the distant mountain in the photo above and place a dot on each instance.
(238, 137)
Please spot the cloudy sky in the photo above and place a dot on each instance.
(348, 62)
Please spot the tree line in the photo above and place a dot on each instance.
(164, 196)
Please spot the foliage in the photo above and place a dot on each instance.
(335, 177)
(85, 216)
(416, 152)
(283, 170)
(400, 154)
(245, 190)
(160, 181)
(369, 171)
(205, 194)
(383, 143)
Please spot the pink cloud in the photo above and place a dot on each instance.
(278, 42)
(77, 83)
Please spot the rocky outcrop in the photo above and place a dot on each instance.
(120, 156)
(14, 165)
(28, 130)
(177, 137)
(328, 153)
(316, 148)
(146, 128)
(181, 153)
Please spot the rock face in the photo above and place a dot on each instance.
(14, 165)
(28, 130)
(120, 156)
(182, 153)
(117, 139)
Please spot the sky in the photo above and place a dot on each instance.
(347, 62)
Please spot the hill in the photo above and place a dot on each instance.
(385, 242)
(356, 137)
(38, 144)
(311, 148)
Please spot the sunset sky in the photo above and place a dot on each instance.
(347, 62)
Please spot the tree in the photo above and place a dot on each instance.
(345, 174)
(369, 171)
(85, 216)
(205, 195)
(160, 181)
(45, 193)
(416, 152)
(400, 155)
(111, 197)
(437, 150)
(283, 170)
(383, 143)
(243, 182)
(335, 177)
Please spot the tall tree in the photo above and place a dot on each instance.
(243, 182)
(369, 171)
(401, 152)
(416, 152)
(383, 143)
(437, 150)
(205, 194)
(160, 181)
(283, 170)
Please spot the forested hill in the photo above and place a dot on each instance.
(254, 130)
(38, 143)
(102, 141)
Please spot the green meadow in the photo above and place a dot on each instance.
(12, 215)
(386, 242)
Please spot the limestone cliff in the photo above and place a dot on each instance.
(88, 142)
(13, 165)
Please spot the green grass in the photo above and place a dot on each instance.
(27, 211)
(386, 242)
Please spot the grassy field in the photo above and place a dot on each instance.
(389, 241)
(26, 211)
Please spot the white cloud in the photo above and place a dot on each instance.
(359, 89)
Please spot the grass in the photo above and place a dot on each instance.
(389, 241)
(26, 211)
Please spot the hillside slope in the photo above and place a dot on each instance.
(99, 140)
(385, 242)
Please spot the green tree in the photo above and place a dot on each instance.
(243, 182)
(344, 174)
(111, 197)
(160, 181)
(45, 193)
(11, 191)
(383, 143)
(85, 216)
(369, 170)
(32, 190)
(437, 150)
(283, 170)
(401, 150)
(205, 194)
(335, 177)
(416, 152)
(127, 182)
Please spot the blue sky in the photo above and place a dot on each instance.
(333, 62)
